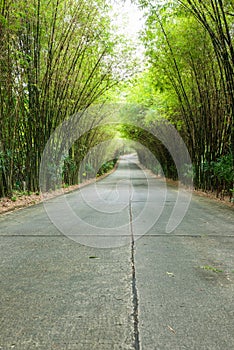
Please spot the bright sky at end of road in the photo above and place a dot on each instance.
(128, 18)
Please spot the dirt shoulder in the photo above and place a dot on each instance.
(211, 195)
(22, 201)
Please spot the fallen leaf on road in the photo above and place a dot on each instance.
(171, 329)
(170, 274)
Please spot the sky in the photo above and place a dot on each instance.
(127, 17)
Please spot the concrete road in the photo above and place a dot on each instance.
(113, 279)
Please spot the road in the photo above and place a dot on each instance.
(96, 275)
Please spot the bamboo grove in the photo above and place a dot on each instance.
(189, 80)
(56, 58)
(59, 57)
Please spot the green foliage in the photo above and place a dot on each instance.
(106, 167)
(223, 169)
(190, 82)
(188, 171)
(89, 168)
(68, 169)
(56, 58)
(222, 173)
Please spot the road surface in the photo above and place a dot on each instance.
(110, 280)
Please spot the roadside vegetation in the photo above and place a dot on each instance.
(58, 58)
(189, 80)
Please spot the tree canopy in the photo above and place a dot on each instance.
(59, 58)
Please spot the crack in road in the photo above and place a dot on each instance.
(99, 235)
(134, 285)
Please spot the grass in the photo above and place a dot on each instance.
(211, 268)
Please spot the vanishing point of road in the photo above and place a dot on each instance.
(134, 287)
